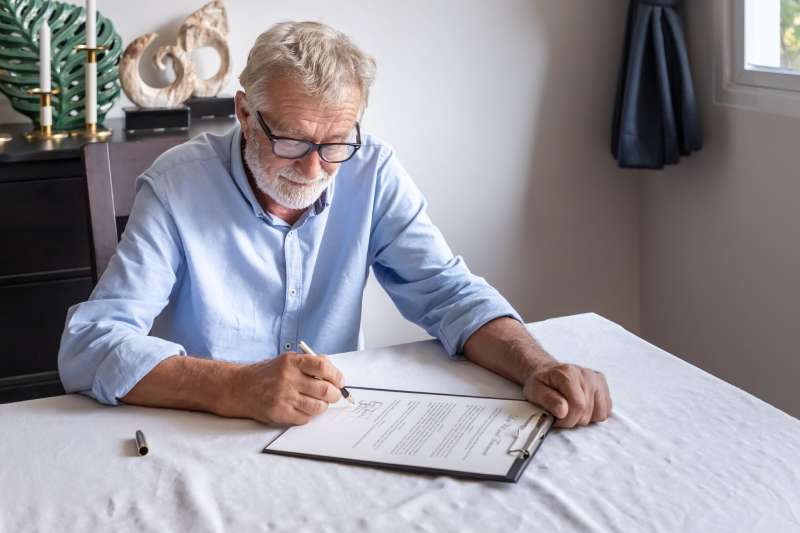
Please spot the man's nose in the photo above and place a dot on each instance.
(310, 165)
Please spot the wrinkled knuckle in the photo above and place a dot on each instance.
(318, 407)
(565, 372)
(579, 405)
(310, 405)
(304, 404)
(333, 394)
(561, 368)
(598, 378)
(286, 362)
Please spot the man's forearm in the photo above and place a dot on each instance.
(187, 383)
(505, 347)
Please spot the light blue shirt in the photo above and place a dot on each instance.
(233, 282)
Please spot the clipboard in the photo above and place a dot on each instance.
(527, 438)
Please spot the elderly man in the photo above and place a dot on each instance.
(252, 241)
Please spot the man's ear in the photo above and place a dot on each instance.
(242, 111)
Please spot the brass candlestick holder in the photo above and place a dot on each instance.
(91, 130)
(45, 131)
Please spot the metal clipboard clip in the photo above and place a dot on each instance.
(541, 423)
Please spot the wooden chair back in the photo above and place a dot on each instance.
(111, 172)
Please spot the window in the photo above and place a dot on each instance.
(758, 55)
(766, 44)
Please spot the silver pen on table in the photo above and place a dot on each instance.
(307, 350)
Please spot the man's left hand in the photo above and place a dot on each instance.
(575, 395)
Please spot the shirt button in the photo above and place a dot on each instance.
(292, 292)
(287, 346)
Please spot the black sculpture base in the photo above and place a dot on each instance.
(141, 120)
(211, 107)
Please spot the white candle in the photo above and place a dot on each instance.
(91, 93)
(91, 29)
(44, 57)
(90, 104)
(45, 112)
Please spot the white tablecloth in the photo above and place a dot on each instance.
(683, 451)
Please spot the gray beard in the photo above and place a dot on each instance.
(281, 186)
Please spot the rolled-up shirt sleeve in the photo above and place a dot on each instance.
(413, 263)
(106, 347)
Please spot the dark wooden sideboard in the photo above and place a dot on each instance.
(45, 251)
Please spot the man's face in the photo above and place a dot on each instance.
(289, 112)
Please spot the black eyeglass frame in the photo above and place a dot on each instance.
(310, 145)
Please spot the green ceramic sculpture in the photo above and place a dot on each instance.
(19, 60)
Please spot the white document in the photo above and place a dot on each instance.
(419, 431)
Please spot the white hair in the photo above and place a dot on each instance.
(321, 59)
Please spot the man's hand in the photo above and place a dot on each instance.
(575, 395)
(284, 390)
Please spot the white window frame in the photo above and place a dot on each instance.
(773, 90)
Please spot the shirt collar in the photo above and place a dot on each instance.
(240, 179)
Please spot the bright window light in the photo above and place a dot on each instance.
(772, 35)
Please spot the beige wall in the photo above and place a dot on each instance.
(721, 242)
(501, 112)
(544, 215)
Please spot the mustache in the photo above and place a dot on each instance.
(294, 176)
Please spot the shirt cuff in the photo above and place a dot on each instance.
(128, 364)
(457, 331)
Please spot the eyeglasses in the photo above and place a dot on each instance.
(289, 148)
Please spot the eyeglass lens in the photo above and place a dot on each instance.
(294, 149)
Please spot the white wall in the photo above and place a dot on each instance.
(721, 242)
(501, 111)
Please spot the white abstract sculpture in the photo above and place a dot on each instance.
(208, 26)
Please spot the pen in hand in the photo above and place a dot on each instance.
(307, 350)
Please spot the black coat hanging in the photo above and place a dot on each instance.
(655, 112)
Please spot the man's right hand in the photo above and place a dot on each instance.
(284, 390)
